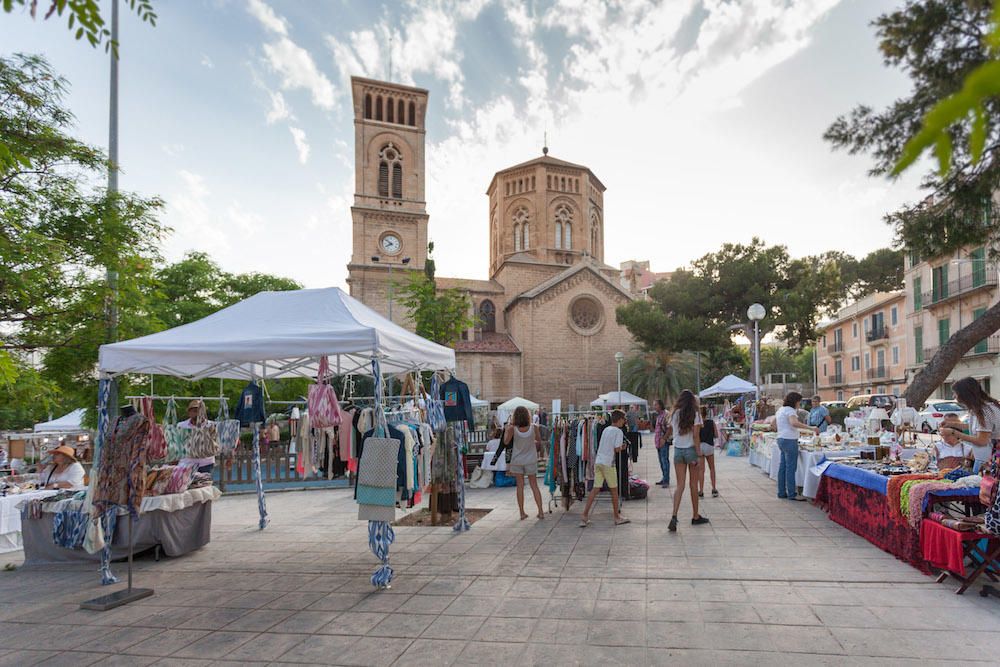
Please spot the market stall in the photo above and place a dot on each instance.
(15, 490)
(68, 423)
(506, 409)
(315, 333)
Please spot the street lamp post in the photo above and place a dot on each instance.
(756, 313)
(378, 260)
(619, 358)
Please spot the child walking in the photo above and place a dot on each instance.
(612, 440)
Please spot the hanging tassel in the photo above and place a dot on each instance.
(109, 520)
(380, 536)
(462, 524)
(261, 503)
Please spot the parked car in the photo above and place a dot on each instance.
(835, 405)
(885, 401)
(931, 415)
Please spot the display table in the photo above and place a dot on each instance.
(10, 518)
(856, 499)
(178, 523)
(949, 550)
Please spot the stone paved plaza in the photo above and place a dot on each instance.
(767, 581)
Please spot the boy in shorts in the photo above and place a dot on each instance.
(612, 441)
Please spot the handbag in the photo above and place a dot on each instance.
(324, 409)
(156, 442)
(175, 436)
(990, 484)
(228, 429)
(435, 407)
(203, 440)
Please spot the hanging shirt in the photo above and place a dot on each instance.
(457, 403)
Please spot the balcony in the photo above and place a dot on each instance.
(837, 347)
(986, 346)
(877, 373)
(877, 335)
(836, 380)
(966, 284)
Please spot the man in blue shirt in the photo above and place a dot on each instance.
(819, 416)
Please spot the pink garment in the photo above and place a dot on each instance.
(346, 428)
(918, 492)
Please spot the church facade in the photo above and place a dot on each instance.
(546, 324)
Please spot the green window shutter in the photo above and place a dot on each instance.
(918, 343)
(978, 257)
(982, 346)
(944, 281)
(917, 296)
(944, 331)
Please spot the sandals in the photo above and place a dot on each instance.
(621, 521)
(701, 520)
(715, 493)
(584, 522)
(672, 526)
(701, 494)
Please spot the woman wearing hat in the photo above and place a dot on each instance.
(196, 419)
(65, 472)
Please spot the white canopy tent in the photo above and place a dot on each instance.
(506, 409)
(478, 402)
(618, 398)
(279, 334)
(729, 385)
(71, 423)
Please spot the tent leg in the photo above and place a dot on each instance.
(261, 502)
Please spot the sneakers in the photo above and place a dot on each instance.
(715, 493)
(672, 526)
(699, 521)
(801, 499)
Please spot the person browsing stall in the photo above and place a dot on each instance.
(65, 472)
(612, 442)
(526, 445)
(685, 428)
(788, 426)
(197, 419)
(951, 452)
(819, 415)
(984, 419)
(662, 442)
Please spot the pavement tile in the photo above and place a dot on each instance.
(453, 627)
(401, 625)
(491, 653)
(319, 649)
(267, 646)
(215, 645)
(165, 643)
(431, 653)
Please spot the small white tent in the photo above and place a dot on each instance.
(729, 385)
(613, 398)
(506, 409)
(279, 334)
(70, 423)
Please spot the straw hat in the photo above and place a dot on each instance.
(195, 404)
(65, 451)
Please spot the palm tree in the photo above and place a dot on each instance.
(658, 373)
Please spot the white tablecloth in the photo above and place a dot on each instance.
(168, 503)
(10, 518)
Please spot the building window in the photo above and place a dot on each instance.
(548, 181)
(894, 316)
(918, 297)
(527, 238)
(918, 345)
(390, 111)
(390, 161)
(939, 283)
(521, 219)
(517, 238)
(946, 392)
(840, 395)
(487, 316)
(982, 347)
(413, 114)
(854, 329)
(368, 105)
(978, 259)
(914, 258)
(868, 360)
(558, 235)
(824, 369)
(401, 113)
(944, 330)
(564, 223)
(378, 108)
(532, 183)
(586, 315)
(855, 363)
(895, 355)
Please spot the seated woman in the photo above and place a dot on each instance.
(65, 472)
(952, 452)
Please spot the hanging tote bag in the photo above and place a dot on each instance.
(435, 407)
(203, 440)
(156, 442)
(228, 429)
(175, 436)
(990, 484)
(324, 410)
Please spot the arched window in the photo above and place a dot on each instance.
(527, 238)
(595, 232)
(558, 235)
(383, 179)
(532, 182)
(390, 162)
(521, 219)
(378, 108)
(390, 111)
(487, 316)
(517, 238)
(413, 114)
(368, 105)
(397, 181)
(564, 223)
(401, 113)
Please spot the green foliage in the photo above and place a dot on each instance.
(25, 397)
(948, 48)
(725, 361)
(658, 374)
(879, 271)
(695, 309)
(438, 315)
(84, 17)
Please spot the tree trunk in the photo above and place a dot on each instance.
(949, 354)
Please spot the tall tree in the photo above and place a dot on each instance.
(438, 315)
(947, 47)
(658, 374)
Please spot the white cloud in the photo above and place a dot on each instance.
(301, 144)
(206, 61)
(267, 17)
(172, 149)
(279, 108)
(297, 70)
(189, 214)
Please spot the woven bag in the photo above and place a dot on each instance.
(324, 409)
(175, 436)
(156, 442)
(435, 407)
(203, 441)
(228, 429)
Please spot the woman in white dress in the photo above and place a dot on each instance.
(65, 472)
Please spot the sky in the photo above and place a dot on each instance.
(703, 118)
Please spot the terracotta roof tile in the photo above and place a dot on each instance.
(496, 343)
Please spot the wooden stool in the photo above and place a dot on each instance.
(985, 560)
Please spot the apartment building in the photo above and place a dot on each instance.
(943, 295)
(864, 350)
